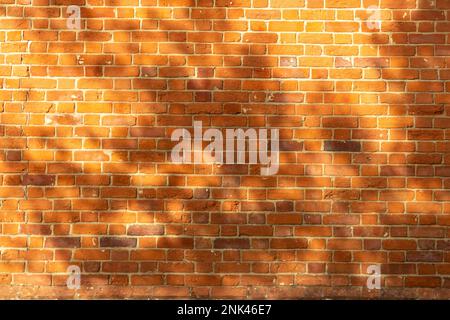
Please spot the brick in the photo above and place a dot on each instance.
(38, 180)
(231, 243)
(350, 146)
(63, 242)
(117, 242)
(139, 230)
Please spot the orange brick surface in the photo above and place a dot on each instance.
(87, 179)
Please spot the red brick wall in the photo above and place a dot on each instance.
(87, 178)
